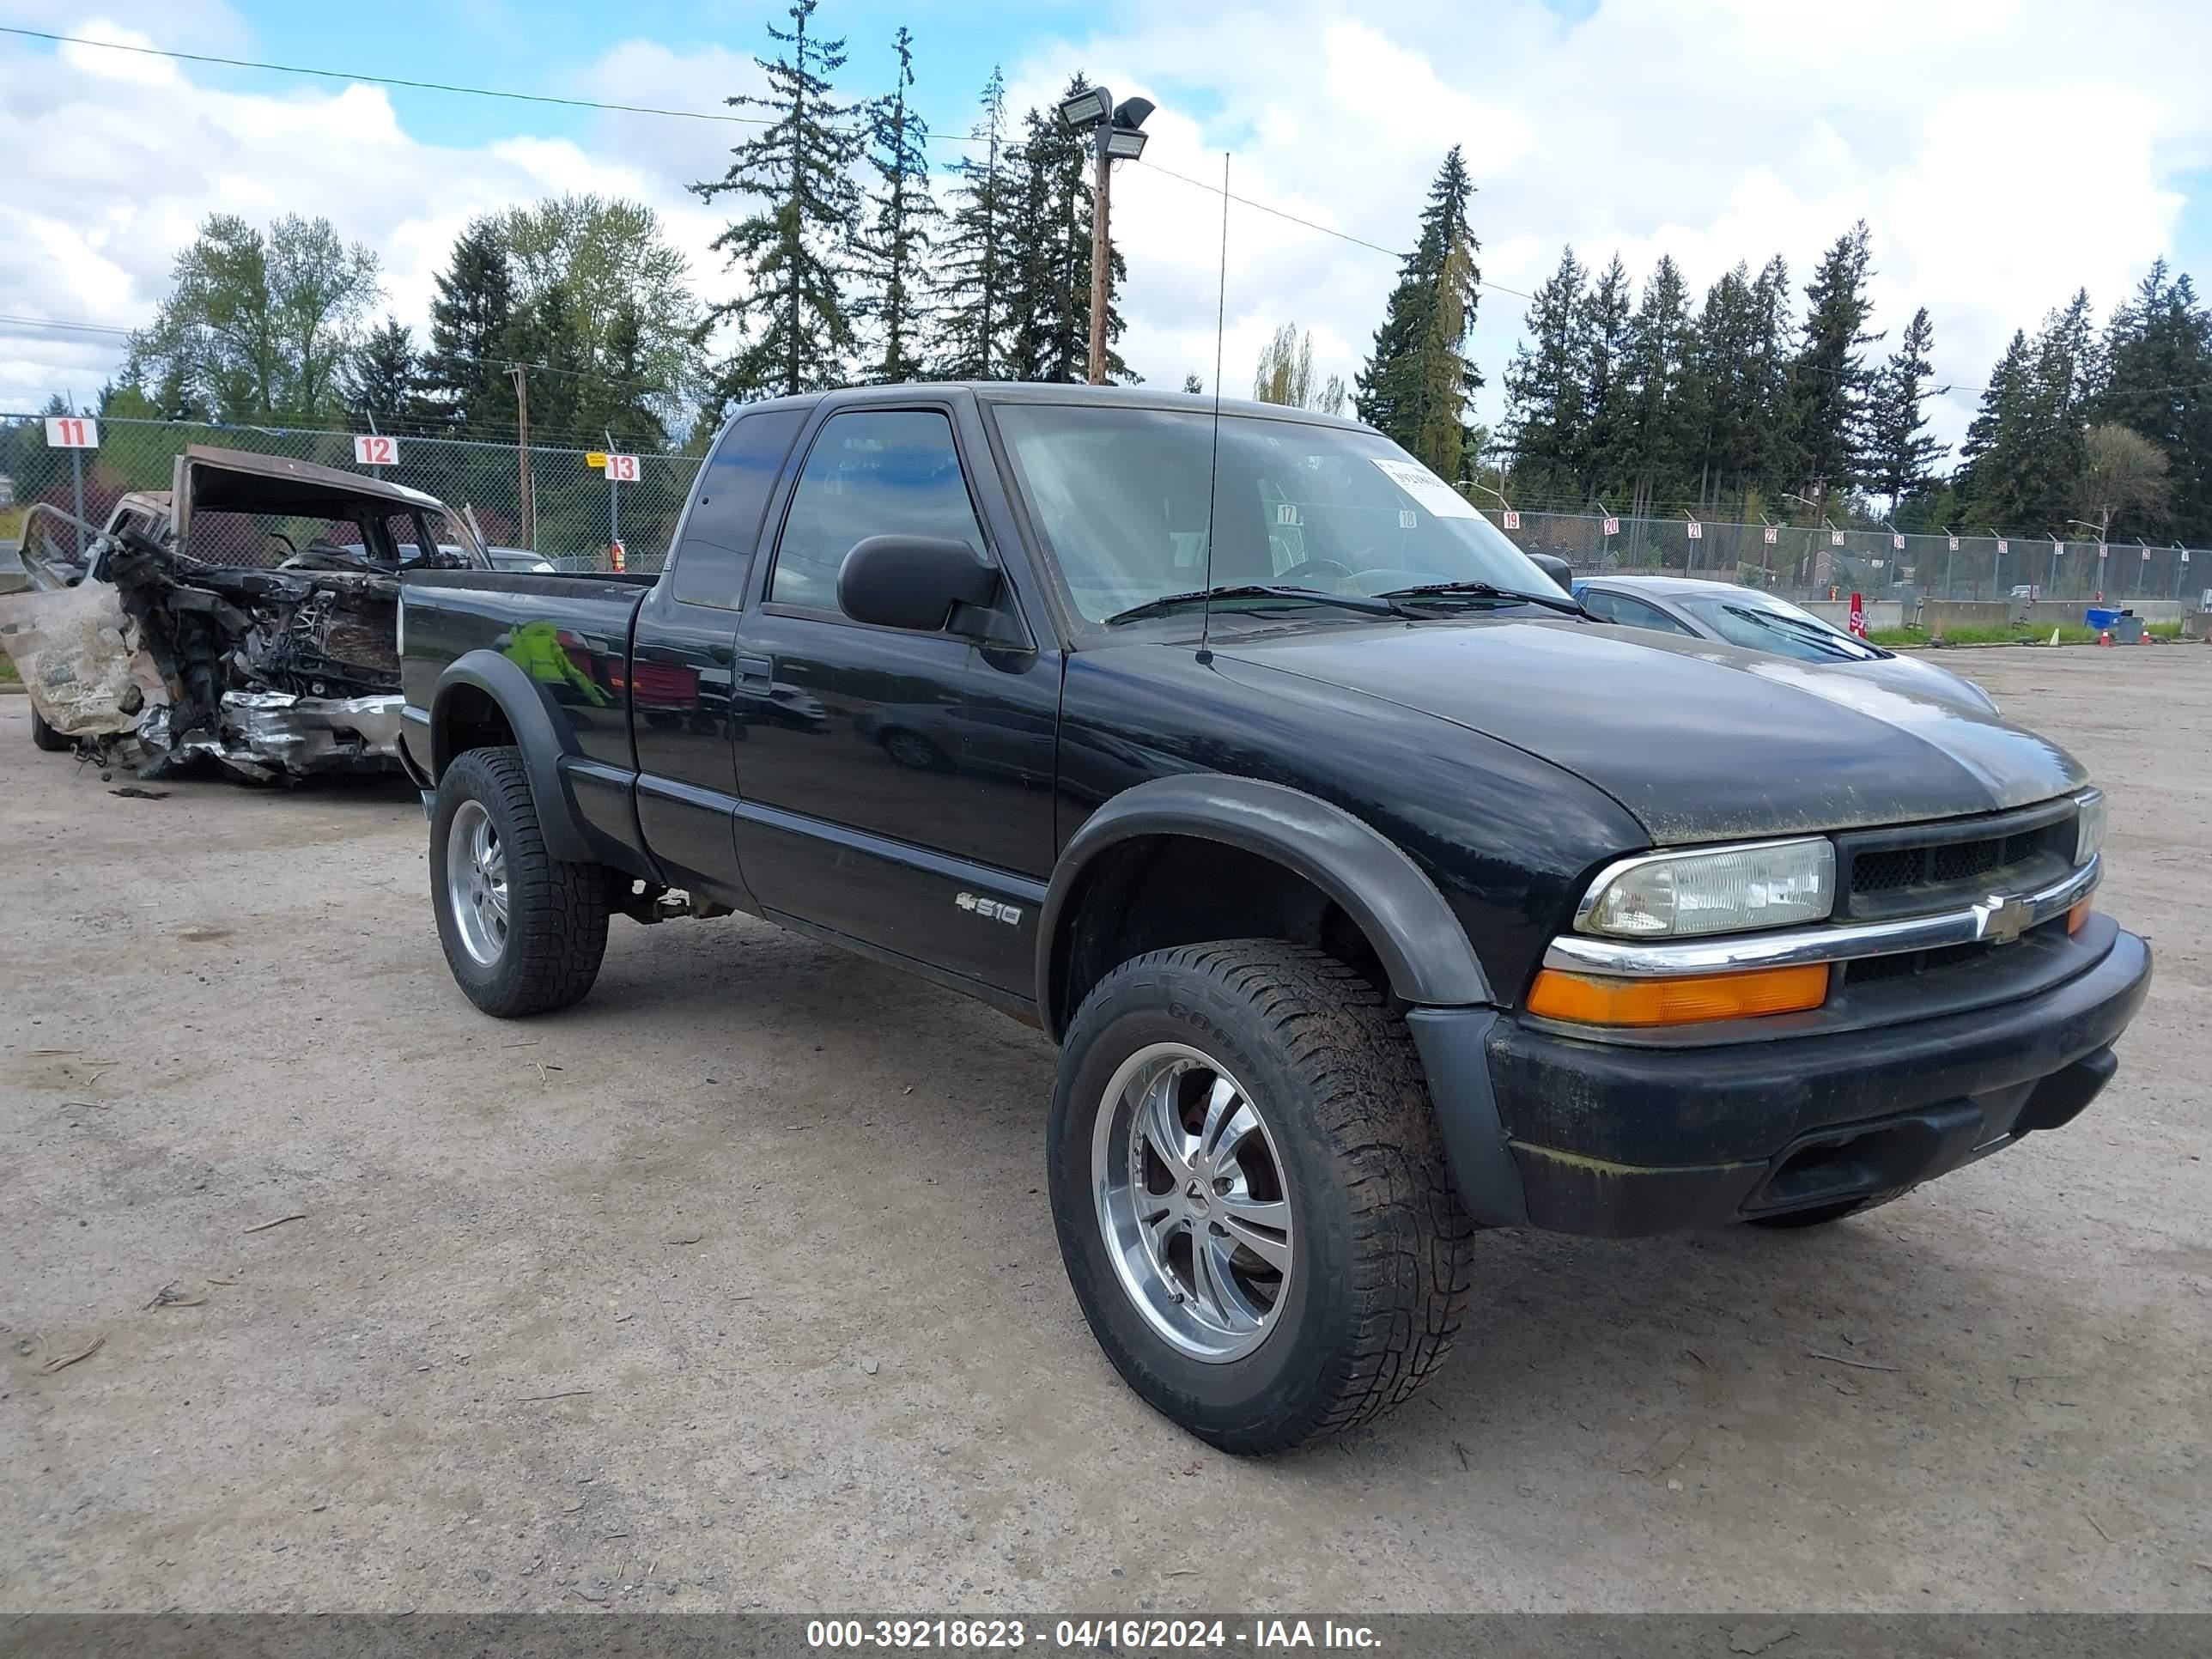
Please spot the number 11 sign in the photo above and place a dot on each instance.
(71, 431)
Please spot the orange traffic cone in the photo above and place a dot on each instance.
(2104, 636)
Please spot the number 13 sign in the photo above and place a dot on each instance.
(622, 469)
(373, 449)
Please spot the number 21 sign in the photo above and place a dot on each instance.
(373, 449)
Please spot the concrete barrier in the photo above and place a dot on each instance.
(2042, 614)
(1879, 613)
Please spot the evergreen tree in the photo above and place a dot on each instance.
(1831, 373)
(1988, 459)
(795, 328)
(1732, 441)
(1661, 410)
(2055, 418)
(1601, 322)
(2158, 359)
(1777, 457)
(974, 255)
(1417, 383)
(891, 252)
(382, 381)
(1547, 386)
(1901, 455)
(463, 372)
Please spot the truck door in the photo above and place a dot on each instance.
(680, 664)
(896, 786)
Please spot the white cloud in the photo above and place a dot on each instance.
(2003, 151)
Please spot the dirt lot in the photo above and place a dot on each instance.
(735, 1288)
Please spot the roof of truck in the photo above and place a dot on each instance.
(1054, 391)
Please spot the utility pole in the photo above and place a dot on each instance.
(1101, 253)
(1116, 134)
(525, 505)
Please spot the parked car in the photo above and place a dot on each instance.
(1759, 622)
(246, 617)
(1373, 892)
(519, 558)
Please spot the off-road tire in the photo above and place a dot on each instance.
(44, 737)
(1381, 1251)
(556, 931)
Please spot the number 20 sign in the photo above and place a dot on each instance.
(373, 449)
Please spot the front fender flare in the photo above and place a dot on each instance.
(538, 732)
(1424, 949)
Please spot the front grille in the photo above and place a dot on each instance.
(1872, 970)
(1921, 868)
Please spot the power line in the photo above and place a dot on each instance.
(1326, 230)
(385, 80)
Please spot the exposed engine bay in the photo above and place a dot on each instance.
(163, 646)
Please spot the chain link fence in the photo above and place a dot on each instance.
(1822, 563)
(571, 512)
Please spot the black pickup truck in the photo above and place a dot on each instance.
(1373, 892)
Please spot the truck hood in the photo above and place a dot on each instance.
(1700, 741)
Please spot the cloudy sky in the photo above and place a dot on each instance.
(2004, 151)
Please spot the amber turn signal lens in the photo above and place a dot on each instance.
(1590, 1000)
(2077, 915)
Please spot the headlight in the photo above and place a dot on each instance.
(2088, 826)
(1723, 890)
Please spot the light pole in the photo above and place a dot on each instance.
(1811, 559)
(1116, 135)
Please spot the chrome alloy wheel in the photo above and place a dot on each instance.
(476, 883)
(1191, 1198)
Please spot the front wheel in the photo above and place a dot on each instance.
(523, 932)
(1250, 1194)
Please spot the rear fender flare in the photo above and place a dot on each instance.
(539, 733)
(1423, 950)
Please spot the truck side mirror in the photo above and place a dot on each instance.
(1557, 569)
(914, 581)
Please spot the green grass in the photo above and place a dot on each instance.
(8, 669)
(2068, 633)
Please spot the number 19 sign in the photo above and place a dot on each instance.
(71, 431)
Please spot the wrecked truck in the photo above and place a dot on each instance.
(245, 618)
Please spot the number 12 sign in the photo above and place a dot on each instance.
(71, 431)
(373, 449)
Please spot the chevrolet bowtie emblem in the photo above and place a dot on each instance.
(2001, 921)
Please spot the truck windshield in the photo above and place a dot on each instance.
(1121, 495)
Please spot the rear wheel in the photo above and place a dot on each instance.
(1251, 1193)
(523, 931)
(44, 737)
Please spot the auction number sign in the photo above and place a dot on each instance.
(622, 469)
(374, 449)
(71, 431)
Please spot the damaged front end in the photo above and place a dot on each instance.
(167, 646)
(270, 673)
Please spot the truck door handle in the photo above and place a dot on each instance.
(756, 668)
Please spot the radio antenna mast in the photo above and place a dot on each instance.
(1213, 460)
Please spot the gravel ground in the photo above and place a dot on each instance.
(735, 1288)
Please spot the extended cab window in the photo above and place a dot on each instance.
(870, 473)
(718, 536)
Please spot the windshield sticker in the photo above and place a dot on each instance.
(1425, 487)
